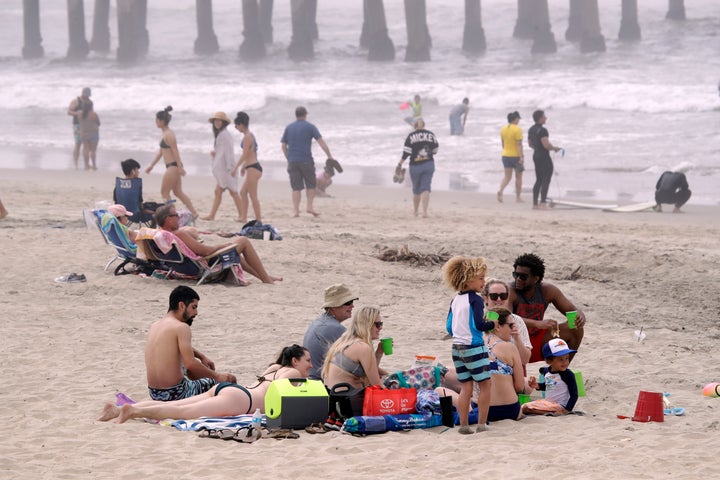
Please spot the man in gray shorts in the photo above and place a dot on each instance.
(297, 148)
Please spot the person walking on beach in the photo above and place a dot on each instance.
(324, 330)
(297, 148)
(512, 155)
(530, 297)
(223, 161)
(421, 146)
(539, 141)
(250, 168)
(3, 210)
(73, 110)
(169, 353)
(466, 324)
(672, 187)
(174, 170)
(89, 130)
(458, 116)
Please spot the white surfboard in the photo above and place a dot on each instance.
(565, 203)
(635, 207)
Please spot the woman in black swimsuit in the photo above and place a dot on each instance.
(224, 399)
(249, 167)
(174, 170)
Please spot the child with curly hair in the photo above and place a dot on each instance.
(466, 324)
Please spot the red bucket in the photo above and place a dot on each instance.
(649, 407)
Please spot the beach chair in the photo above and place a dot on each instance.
(182, 263)
(125, 249)
(128, 192)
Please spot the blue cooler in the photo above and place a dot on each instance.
(295, 406)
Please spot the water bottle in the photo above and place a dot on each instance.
(257, 419)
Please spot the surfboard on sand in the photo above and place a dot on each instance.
(635, 207)
(565, 203)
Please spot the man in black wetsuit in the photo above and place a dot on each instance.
(672, 187)
(539, 141)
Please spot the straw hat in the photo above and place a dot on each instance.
(220, 116)
(336, 295)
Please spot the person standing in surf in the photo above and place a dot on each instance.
(512, 155)
(539, 141)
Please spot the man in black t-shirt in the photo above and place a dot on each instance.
(539, 141)
(421, 146)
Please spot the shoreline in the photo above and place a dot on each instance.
(35, 159)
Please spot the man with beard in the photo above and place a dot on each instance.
(176, 370)
(530, 297)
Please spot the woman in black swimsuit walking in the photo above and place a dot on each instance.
(224, 399)
(249, 167)
(174, 170)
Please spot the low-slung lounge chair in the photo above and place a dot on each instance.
(125, 249)
(166, 248)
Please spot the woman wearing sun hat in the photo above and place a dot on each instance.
(223, 162)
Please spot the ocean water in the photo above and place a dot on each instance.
(623, 116)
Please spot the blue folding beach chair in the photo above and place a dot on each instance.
(125, 250)
(213, 268)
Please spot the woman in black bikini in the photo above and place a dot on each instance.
(174, 170)
(224, 399)
(249, 167)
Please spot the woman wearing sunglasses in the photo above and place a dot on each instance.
(352, 359)
(495, 295)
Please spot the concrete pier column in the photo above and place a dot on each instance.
(592, 39)
(131, 43)
(301, 44)
(574, 30)
(418, 35)
(473, 34)
(312, 7)
(524, 23)
(100, 41)
(253, 45)
(676, 10)
(144, 35)
(266, 28)
(543, 36)
(78, 47)
(206, 42)
(629, 25)
(32, 40)
(379, 44)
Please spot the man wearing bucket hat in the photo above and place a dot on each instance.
(327, 328)
(560, 386)
(223, 164)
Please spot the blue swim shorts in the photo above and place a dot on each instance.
(421, 175)
(514, 163)
(471, 362)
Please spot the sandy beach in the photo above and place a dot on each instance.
(68, 348)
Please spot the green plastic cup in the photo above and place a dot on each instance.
(387, 345)
(523, 398)
(580, 383)
(492, 315)
(571, 316)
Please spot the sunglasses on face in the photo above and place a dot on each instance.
(348, 303)
(521, 276)
(378, 324)
(496, 296)
(173, 215)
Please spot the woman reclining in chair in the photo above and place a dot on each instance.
(224, 399)
(167, 219)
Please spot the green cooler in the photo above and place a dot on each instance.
(295, 403)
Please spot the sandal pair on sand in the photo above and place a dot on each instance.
(243, 435)
(280, 433)
(317, 428)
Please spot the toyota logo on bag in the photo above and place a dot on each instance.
(387, 403)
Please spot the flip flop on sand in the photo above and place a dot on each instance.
(71, 278)
(280, 433)
(221, 433)
(316, 428)
(247, 435)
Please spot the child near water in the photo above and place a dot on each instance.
(466, 324)
(560, 386)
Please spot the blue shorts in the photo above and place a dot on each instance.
(302, 175)
(513, 162)
(186, 388)
(471, 362)
(76, 133)
(421, 175)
